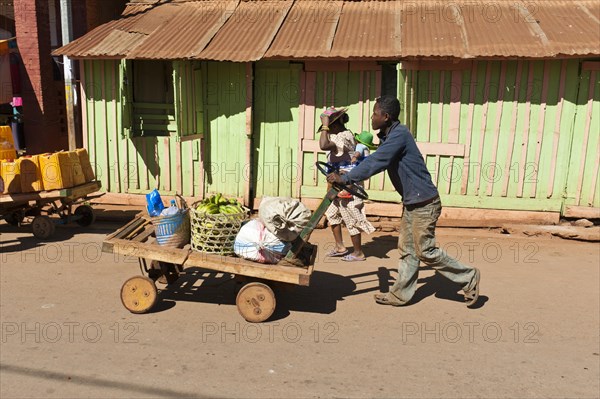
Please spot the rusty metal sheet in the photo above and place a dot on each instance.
(308, 31)
(502, 29)
(368, 29)
(116, 44)
(429, 29)
(249, 32)
(570, 27)
(192, 26)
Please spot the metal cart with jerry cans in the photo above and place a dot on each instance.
(255, 300)
(69, 204)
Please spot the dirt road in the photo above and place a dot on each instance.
(65, 333)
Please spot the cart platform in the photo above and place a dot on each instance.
(255, 301)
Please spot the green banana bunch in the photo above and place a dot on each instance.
(217, 203)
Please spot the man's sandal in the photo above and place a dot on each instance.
(387, 299)
(472, 295)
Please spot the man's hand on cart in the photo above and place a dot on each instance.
(334, 178)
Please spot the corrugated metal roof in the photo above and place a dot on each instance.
(574, 32)
(372, 29)
(249, 30)
(500, 29)
(308, 31)
(174, 30)
(192, 26)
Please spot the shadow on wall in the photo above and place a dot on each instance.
(145, 146)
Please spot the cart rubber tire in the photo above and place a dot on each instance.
(255, 302)
(139, 294)
(87, 215)
(14, 218)
(43, 227)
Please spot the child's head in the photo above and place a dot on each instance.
(365, 138)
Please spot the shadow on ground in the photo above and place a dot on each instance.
(63, 233)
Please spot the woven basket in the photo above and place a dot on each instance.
(215, 233)
(174, 230)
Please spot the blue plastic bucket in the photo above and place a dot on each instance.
(173, 231)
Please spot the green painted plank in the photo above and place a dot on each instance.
(498, 160)
(460, 201)
(402, 94)
(567, 121)
(101, 127)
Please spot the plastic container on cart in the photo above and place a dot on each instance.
(78, 176)
(86, 166)
(6, 135)
(173, 230)
(8, 153)
(31, 175)
(56, 170)
(171, 210)
(9, 170)
(7, 148)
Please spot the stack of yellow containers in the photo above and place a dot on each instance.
(64, 169)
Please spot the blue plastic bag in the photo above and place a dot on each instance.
(155, 204)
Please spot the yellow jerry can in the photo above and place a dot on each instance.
(56, 170)
(9, 170)
(31, 175)
(86, 166)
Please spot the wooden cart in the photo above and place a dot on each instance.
(255, 300)
(16, 209)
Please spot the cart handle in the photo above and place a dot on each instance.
(354, 189)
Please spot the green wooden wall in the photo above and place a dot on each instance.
(522, 124)
(519, 135)
(211, 120)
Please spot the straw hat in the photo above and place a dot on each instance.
(334, 114)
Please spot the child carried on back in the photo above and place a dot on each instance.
(364, 145)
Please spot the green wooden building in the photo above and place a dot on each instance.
(197, 97)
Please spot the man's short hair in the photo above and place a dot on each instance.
(390, 105)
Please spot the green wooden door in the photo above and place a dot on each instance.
(276, 95)
(224, 143)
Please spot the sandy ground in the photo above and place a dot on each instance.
(535, 334)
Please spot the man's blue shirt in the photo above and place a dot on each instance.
(399, 155)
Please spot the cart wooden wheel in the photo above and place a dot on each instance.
(86, 214)
(255, 302)
(42, 227)
(139, 294)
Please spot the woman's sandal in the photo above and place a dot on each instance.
(387, 299)
(352, 258)
(472, 295)
(334, 253)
